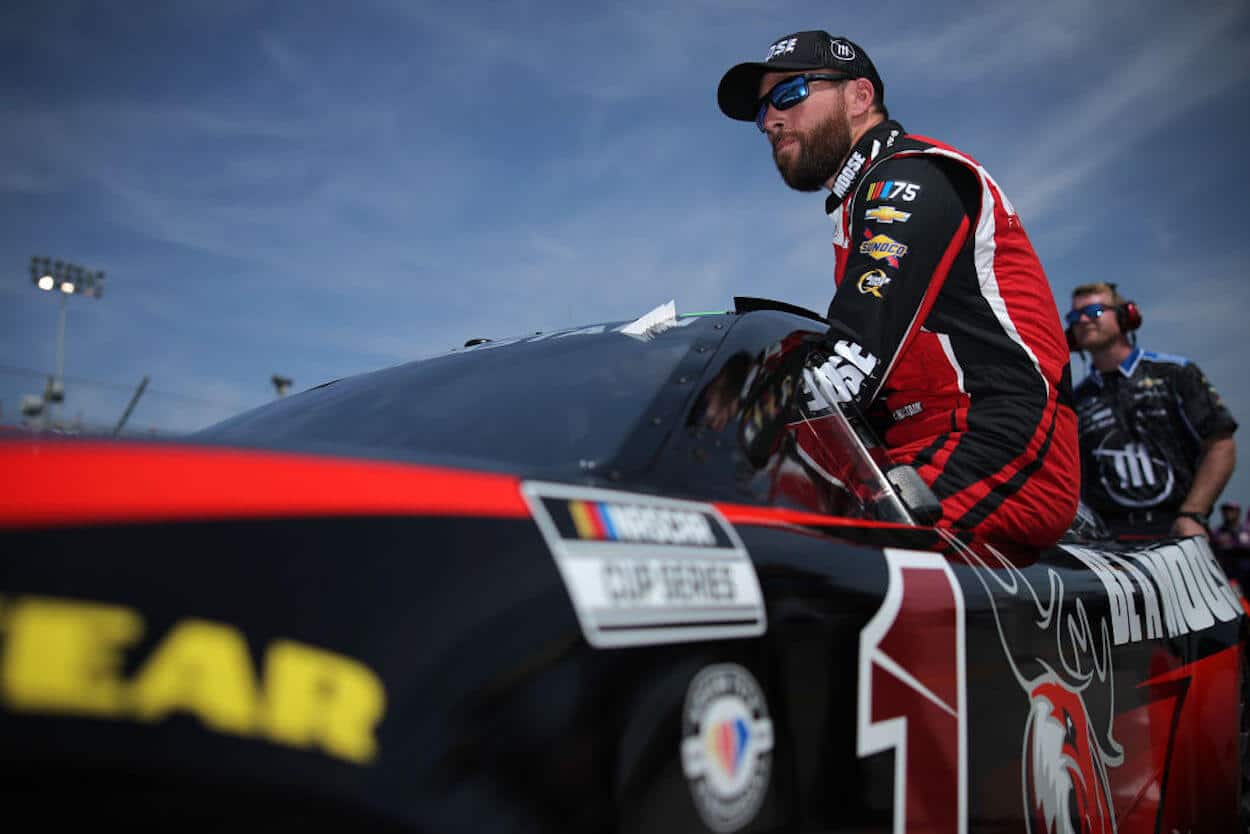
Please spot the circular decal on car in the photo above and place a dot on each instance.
(726, 746)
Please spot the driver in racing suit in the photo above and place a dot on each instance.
(943, 327)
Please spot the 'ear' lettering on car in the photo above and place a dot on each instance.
(66, 656)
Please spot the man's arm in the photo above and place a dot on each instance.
(1209, 418)
(903, 240)
(1215, 467)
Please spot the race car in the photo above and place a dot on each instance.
(627, 577)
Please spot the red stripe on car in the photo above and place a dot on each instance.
(770, 517)
(61, 483)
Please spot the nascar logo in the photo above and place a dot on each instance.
(882, 248)
(893, 190)
(603, 521)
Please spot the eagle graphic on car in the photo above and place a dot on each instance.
(1066, 749)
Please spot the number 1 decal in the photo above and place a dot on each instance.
(912, 693)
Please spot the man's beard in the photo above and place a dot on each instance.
(819, 154)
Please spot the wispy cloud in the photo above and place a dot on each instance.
(605, 54)
(1197, 60)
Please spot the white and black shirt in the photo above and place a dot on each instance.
(1142, 426)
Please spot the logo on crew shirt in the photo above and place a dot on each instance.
(1132, 474)
(882, 248)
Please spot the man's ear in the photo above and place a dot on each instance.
(861, 96)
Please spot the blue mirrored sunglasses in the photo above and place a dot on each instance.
(789, 92)
(1091, 310)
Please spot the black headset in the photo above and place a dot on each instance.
(1127, 316)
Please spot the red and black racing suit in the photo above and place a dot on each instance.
(944, 323)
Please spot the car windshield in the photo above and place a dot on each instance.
(553, 400)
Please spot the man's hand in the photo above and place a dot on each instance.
(840, 378)
(1186, 526)
(825, 386)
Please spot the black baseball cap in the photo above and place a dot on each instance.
(739, 91)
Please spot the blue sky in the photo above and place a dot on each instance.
(317, 189)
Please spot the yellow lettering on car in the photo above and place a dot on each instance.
(315, 697)
(66, 656)
(201, 668)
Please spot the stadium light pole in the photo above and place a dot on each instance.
(67, 279)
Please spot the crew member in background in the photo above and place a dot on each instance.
(1156, 439)
(1231, 534)
(1231, 543)
(943, 327)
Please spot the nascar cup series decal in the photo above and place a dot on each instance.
(642, 570)
(726, 746)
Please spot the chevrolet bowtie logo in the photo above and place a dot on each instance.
(886, 214)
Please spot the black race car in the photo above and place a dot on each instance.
(619, 578)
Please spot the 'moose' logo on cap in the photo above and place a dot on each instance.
(782, 47)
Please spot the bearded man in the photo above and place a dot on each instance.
(943, 326)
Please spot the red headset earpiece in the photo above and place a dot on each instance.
(1128, 315)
